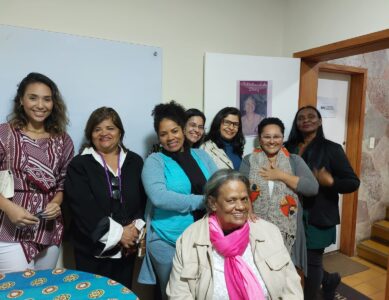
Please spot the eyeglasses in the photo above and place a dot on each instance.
(194, 126)
(274, 137)
(228, 123)
(115, 188)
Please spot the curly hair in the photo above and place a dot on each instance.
(98, 116)
(56, 122)
(172, 111)
(214, 132)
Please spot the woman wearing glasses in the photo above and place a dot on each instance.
(225, 141)
(194, 127)
(173, 179)
(104, 191)
(277, 178)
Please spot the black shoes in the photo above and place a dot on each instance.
(329, 284)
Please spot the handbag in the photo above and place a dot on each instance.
(6, 177)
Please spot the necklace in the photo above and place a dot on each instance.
(35, 131)
(109, 181)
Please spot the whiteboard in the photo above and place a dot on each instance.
(223, 71)
(90, 73)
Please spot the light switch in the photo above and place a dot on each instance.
(371, 142)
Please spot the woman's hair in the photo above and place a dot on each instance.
(314, 154)
(270, 121)
(98, 116)
(220, 177)
(214, 132)
(295, 136)
(171, 111)
(194, 112)
(56, 122)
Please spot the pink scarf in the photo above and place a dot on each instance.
(240, 279)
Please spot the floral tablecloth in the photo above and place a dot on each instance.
(61, 284)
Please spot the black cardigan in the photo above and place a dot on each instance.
(87, 195)
(324, 208)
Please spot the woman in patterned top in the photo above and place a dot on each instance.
(37, 148)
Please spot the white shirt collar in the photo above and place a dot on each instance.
(97, 157)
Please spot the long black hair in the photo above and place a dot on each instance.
(314, 154)
(214, 132)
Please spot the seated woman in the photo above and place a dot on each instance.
(104, 191)
(276, 179)
(225, 141)
(194, 127)
(174, 180)
(224, 256)
(250, 119)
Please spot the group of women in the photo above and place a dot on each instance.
(211, 232)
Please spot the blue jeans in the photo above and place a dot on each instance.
(161, 255)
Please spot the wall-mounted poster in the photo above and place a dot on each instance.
(254, 101)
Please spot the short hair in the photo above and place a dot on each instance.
(56, 122)
(171, 111)
(271, 121)
(214, 132)
(220, 177)
(98, 116)
(194, 112)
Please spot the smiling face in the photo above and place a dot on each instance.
(194, 129)
(308, 121)
(231, 205)
(249, 105)
(106, 136)
(271, 139)
(229, 127)
(171, 135)
(37, 103)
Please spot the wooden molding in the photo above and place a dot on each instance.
(366, 43)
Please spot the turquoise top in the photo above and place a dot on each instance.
(170, 224)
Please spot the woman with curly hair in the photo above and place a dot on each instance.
(173, 180)
(34, 145)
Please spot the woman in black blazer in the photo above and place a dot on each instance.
(104, 191)
(332, 169)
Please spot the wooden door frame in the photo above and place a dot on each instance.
(310, 66)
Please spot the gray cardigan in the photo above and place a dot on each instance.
(307, 186)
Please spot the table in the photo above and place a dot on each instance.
(61, 284)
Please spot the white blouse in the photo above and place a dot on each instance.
(219, 283)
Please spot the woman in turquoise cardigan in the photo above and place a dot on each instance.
(173, 179)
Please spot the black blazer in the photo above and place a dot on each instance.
(88, 197)
(323, 208)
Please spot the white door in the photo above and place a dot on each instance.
(332, 101)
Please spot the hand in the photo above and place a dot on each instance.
(323, 177)
(52, 211)
(271, 173)
(19, 216)
(130, 236)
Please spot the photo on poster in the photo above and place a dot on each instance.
(254, 102)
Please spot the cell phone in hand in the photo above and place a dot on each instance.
(39, 214)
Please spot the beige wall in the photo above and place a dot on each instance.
(313, 23)
(184, 29)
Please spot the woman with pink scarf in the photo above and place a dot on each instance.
(226, 256)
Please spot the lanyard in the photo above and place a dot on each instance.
(109, 181)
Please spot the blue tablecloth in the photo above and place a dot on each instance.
(61, 284)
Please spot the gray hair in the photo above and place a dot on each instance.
(220, 177)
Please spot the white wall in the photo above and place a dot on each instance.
(313, 23)
(184, 29)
